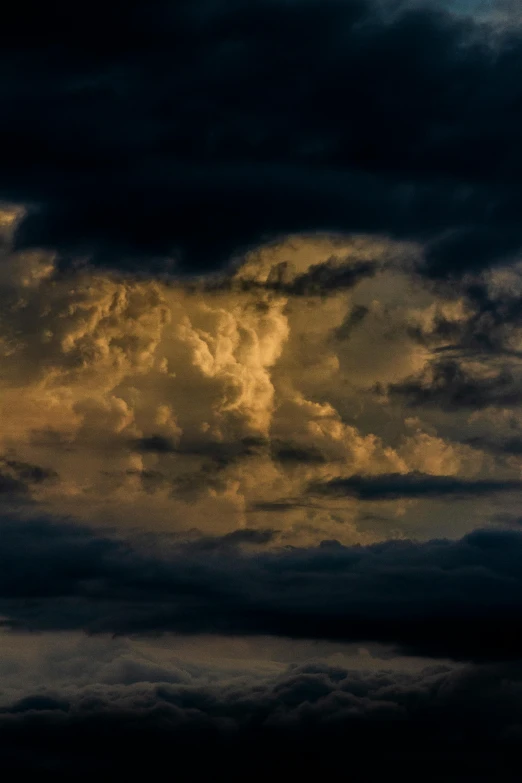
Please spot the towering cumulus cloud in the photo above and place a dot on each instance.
(260, 385)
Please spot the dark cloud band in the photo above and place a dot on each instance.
(460, 599)
(394, 486)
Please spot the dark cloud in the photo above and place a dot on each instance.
(226, 453)
(319, 280)
(352, 320)
(460, 599)
(292, 453)
(493, 317)
(279, 505)
(220, 453)
(507, 447)
(487, 330)
(317, 718)
(195, 130)
(9, 485)
(242, 537)
(17, 478)
(393, 486)
(156, 444)
(449, 385)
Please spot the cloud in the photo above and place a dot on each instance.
(219, 452)
(483, 321)
(451, 599)
(242, 537)
(239, 243)
(170, 406)
(412, 485)
(324, 279)
(290, 453)
(192, 141)
(280, 506)
(127, 713)
(511, 446)
(352, 320)
(16, 478)
(447, 384)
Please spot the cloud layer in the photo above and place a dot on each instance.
(127, 709)
(445, 599)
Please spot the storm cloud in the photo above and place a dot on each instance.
(188, 132)
(444, 598)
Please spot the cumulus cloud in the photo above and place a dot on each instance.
(167, 404)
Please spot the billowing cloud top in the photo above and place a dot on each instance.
(321, 383)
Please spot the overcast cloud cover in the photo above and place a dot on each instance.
(260, 385)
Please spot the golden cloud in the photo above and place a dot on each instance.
(167, 405)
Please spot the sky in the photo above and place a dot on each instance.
(260, 386)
